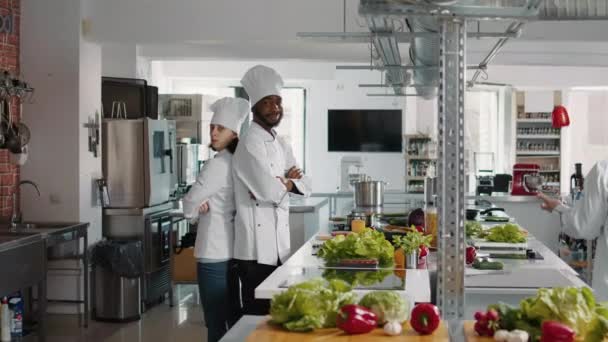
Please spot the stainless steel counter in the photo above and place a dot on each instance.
(31, 245)
(307, 205)
(505, 199)
(23, 266)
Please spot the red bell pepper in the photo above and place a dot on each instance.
(556, 332)
(425, 318)
(424, 251)
(471, 253)
(356, 319)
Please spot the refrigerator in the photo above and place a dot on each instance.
(140, 174)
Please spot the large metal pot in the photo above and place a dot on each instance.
(369, 194)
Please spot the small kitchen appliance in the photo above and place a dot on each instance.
(526, 179)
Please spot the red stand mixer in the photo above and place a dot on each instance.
(526, 179)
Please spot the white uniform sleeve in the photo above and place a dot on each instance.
(251, 166)
(208, 183)
(585, 219)
(304, 184)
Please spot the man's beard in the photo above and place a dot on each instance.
(257, 115)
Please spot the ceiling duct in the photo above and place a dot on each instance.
(390, 20)
(424, 51)
(386, 46)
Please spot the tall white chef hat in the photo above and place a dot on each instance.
(230, 112)
(261, 81)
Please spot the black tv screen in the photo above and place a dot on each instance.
(368, 130)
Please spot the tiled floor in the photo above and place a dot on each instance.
(182, 323)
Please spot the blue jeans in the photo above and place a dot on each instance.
(214, 291)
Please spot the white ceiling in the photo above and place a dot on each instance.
(266, 29)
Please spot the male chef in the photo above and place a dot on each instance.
(265, 173)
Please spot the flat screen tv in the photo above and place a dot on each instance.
(364, 130)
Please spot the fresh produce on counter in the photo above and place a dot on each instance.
(356, 278)
(425, 318)
(470, 255)
(472, 228)
(486, 323)
(393, 328)
(367, 244)
(424, 251)
(573, 307)
(511, 336)
(412, 241)
(556, 332)
(310, 305)
(416, 217)
(355, 319)
(509, 233)
(486, 264)
(389, 306)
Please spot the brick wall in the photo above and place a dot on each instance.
(9, 60)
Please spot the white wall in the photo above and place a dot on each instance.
(65, 71)
(587, 131)
(327, 88)
(49, 60)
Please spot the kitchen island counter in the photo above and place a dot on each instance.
(416, 288)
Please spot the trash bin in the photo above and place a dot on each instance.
(118, 267)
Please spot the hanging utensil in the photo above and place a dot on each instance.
(12, 143)
(23, 133)
(2, 137)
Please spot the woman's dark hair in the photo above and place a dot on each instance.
(233, 144)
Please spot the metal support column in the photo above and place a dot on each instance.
(450, 192)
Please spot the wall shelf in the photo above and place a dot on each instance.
(538, 136)
(534, 120)
(538, 153)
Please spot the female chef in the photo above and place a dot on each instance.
(211, 200)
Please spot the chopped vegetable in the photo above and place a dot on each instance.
(412, 241)
(393, 328)
(389, 306)
(509, 233)
(556, 332)
(368, 244)
(425, 318)
(355, 319)
(310, 305)
(472, 228)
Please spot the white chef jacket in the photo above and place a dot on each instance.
(215, 234)
(588, 219)
(262, 223)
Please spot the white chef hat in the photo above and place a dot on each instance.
(230, 112)
(261, 81)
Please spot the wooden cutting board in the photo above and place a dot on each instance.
(267, 333)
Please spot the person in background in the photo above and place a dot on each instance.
(588, 219)
(265, 173)
(211, 200)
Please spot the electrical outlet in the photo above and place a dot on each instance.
(54, 199)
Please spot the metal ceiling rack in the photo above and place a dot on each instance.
(438, 36)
